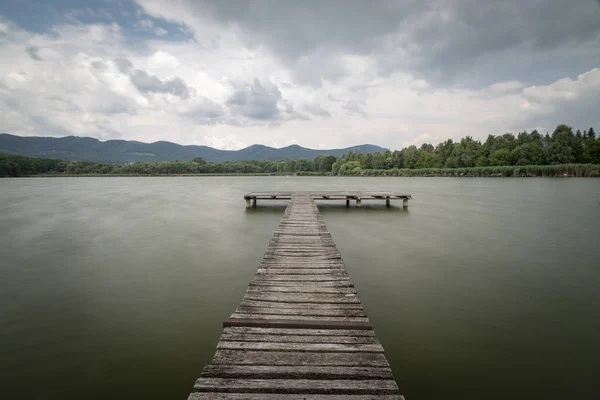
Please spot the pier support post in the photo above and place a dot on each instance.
(405, 203)
(347, 202)
(358, 202)
(254, 202)
(387, 201)
(248, 203)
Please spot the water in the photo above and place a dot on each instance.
(117, 287)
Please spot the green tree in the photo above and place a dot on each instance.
(289, 166)
(303, 165)
(411, 157)
(559, 151)
(350, 167)
(324, 163)
(500, 157)
(199, 160)
(528, 153)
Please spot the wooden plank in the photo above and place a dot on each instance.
(301, 297)
(303, 252)
(241, 357)
(303, 289)
(265, 263)
(347, 283)
(270, 396)
(300, 311)
(303, 332)
(309, 256)
(300, 306)
(295, 372)
(287, 317)
(302, 347)
(307, 251)
(297, 386)
(311, 278)
(296, 324)
(303, 271)
(299, 338)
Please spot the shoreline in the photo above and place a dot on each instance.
(283, 175)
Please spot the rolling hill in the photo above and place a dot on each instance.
(74, 148)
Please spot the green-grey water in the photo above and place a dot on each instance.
(115, 288)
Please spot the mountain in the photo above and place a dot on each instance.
(74, 148)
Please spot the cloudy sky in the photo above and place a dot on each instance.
(322, 74)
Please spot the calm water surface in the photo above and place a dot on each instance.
(115, 288)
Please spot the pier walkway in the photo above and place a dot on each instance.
(300, 331)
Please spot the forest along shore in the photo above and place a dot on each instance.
(563, 153)
(17, 166)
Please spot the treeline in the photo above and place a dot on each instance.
(14, 166)
(562, 147)
(526, 154)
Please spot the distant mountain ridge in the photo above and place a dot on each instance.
(74, 148)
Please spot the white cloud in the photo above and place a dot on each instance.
(506, 87)
(565, 89)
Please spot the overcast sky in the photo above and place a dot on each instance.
(322, 74)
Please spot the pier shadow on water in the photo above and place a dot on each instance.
(365, 208)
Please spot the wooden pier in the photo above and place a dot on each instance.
(300, 331)
(357, 197)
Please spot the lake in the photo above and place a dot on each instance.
(116, 288)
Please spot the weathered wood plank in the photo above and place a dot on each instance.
(300, 306)
(241, 357)
(266, 263)
(284, 258)
(308, 254)
(270, 396)
(300, 283)
(297, 386)
(282, 242)
(313, 278)
(295, 372)
(304, 332)
(300, 297)
(296, 324)
(302, 347)
(300, 311)
(303, 271)
(237, 315)
(303, 289)
(236, 337)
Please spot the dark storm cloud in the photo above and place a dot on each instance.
(296, 28)
(454, 38)
(145, 82)
(256, 100)
(205, 111)
(34, 53)
(440, 40)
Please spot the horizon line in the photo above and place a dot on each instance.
(196, 145)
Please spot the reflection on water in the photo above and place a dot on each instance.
(368, 208)
(117, 287)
